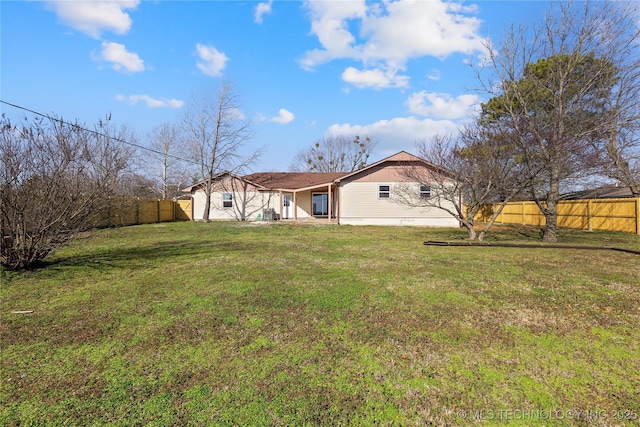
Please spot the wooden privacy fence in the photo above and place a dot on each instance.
(593, 214)
(134, 211)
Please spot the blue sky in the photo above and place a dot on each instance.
(396, 71)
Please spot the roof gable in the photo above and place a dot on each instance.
(402, 156)
(306, 180)
(399, 158)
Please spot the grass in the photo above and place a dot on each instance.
(238, 324)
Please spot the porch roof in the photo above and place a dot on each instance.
(293, 180)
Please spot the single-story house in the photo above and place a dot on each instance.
(363, 197)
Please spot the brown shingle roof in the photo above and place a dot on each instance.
(605, 192)
(292, 180)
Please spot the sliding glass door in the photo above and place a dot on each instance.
(320, 202)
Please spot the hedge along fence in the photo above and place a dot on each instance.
(593, 214)
(135, 211)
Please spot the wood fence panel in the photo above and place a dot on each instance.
(573, 214)
(167, 210)
(183, 210)
(594, 214)
(618, 216)
(512, 214)
(123, 211)
(147, 211)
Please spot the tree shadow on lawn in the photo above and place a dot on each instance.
(146, 256)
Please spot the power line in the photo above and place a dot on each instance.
(133, 144)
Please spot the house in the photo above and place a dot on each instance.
(365, 197)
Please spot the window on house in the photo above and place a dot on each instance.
(425, 192)
(383, 192)
(227, 200)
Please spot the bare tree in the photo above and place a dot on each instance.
(619, 148)
(133, 185)
(55, 181)
(217, 132)
(246, 197)
(335, 154)
(470, 171)
(168, 150)
(621, 157)
(553, 83)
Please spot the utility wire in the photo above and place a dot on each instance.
(95, 132)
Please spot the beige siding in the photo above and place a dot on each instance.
(254, 203)
(387, 173)
(247, 201)
(247, 204)
(360, 204)
(303, 204)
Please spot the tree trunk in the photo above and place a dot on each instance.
(472, 233)
(550, 233)
(207, 205)
(469, 226)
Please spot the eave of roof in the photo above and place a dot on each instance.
(293, 181)
(300, 181)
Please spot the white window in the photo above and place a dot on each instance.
(227, 200)
(425, 192)
(383, 192)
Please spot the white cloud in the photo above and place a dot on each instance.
(417, 28)
(377, 79)
(261, 10)
(434, 75)
(330, 23)
(120, 58)
(284, 117)
(442, 105)
(400, 133)
(94, 17)
(212, 61)
(151, 102)
(384, 36)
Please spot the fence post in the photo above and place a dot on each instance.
(638, 216)
(138, 203)
(109, 212)
(589, 226)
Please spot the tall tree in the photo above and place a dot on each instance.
(217, 132)
(167, 159)
(553, 84)
(470, 171)
(619, 149)
(56, 179)
(338, 153)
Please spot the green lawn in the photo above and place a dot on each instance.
(243, 324)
